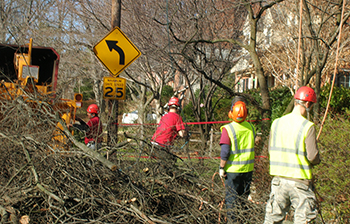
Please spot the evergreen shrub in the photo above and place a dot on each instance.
(340, 99)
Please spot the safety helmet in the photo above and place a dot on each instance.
(305, 93)
(93, 109)
(174, 101)
(238, 112)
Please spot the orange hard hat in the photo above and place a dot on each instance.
(238, 112)
(305, 93)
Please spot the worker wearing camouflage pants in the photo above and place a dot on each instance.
(293, 152)
(289, 193)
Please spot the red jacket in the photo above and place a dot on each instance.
(168, 128)
(95, 130)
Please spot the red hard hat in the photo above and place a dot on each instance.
(305, 93)
(93, 109)
(173, 101)
(238, 112)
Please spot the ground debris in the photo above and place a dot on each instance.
(42, 182)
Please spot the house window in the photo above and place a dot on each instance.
(270, 81)
(343, 79)
(245, 84)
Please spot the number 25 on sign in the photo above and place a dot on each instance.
(114, 88)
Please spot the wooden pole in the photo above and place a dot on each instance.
(116, 13)
(113, 104)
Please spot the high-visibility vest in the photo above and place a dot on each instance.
(241, 159)
(287, 147)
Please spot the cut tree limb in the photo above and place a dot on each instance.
(86, 149)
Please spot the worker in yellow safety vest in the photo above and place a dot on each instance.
(293, 152)
(237, 158)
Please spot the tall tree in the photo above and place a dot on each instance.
(320, 30)
(204, 29)
(153, 70)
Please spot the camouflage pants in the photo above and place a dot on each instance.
(288, 193)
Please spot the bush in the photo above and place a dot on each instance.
(167, 93)
(331, 176)
(222, 108)
(280, 98)
(187, 112)
(340, 99)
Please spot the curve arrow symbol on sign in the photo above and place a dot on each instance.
(113, 45)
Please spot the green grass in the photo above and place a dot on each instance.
(332, 174)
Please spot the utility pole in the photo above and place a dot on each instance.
(116, 13)
(113, 104)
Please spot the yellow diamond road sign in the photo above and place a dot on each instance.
(116, 51)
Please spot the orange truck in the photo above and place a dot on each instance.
(34, 70)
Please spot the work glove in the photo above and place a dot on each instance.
(222, 172)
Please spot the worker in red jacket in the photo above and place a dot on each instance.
(170, 126)
(92, 129)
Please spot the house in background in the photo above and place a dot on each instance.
(267, 37)
(245, 76)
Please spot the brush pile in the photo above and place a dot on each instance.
(45, 181)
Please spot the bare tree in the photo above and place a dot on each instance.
(90, 23)
(206, 43)
(149, 73)
(320, 30)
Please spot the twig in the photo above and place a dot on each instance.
(49, 193)
(141, 214)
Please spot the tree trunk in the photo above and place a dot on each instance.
(318, 92)
(265, 94)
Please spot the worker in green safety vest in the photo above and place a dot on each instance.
(237, 158)
(293, 152)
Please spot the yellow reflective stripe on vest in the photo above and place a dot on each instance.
(290, 159)
(289, 165)
(241, 156)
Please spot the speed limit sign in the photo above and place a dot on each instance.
(114, 88)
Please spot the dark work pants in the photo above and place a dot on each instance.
(237, 191)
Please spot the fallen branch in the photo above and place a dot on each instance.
(86, 149)
(185, 194)
(50, 194)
